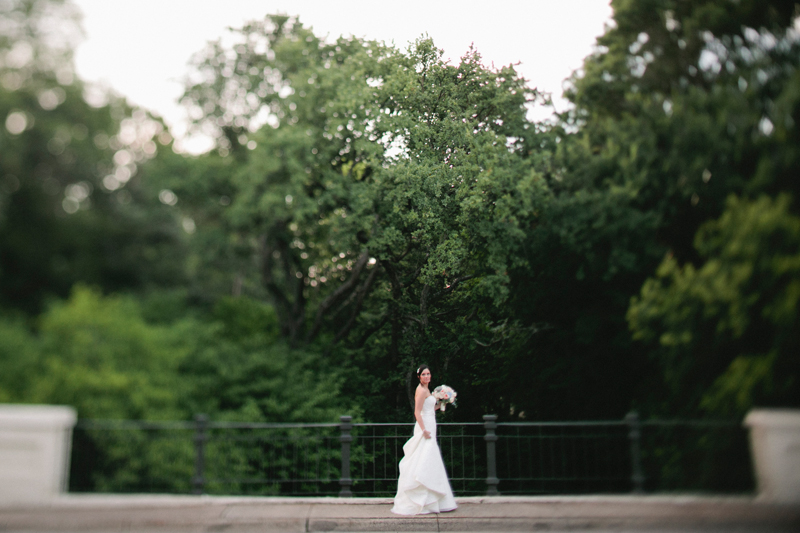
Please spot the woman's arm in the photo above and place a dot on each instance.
(419, 400)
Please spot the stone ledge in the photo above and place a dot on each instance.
(106, 513)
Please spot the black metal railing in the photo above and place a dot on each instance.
(361, 459)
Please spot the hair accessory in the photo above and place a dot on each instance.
(418, 370)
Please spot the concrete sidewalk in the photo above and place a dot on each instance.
(189, 514)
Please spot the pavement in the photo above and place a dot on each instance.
(191, 514)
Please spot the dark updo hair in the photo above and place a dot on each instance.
(411, 386)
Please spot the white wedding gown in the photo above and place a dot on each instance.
(423, 486)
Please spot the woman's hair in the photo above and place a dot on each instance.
(413, 375)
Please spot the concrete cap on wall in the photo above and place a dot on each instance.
(32, 417)
(789, 418)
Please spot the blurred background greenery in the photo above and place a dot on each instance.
(367, 209)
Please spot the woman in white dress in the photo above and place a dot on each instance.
(423, 486)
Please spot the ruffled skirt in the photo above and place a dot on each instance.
(423, 486)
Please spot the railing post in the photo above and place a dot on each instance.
(345, 425)
(200, 438)
(490, 423)
(635, 436)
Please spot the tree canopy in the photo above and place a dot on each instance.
(366, 209)
(385, 199)
(72, 207)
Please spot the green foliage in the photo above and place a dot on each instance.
(675, 110)
(246, 378)
(367, 209)
(725, 331)
(99, 356)
(20, 359)
(384, 202)
(72, 207)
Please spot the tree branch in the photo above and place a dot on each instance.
(370, 332)
(362, 292)
(328, 302)
(450, 288)
(415, 275)
(392, 272)
(413, 319)
(405, 252)
(423, 304)
(297, 306)
(281, 301)
(394, 310)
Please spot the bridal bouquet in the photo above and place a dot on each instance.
(444, 395)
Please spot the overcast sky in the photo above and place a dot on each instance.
(141, 48)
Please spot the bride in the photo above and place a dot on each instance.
(423, 486)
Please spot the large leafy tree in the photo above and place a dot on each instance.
(72, 207)
(104, 356)
(681, 105)
(386, 197)
(725, 332)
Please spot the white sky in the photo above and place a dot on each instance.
(141, 48)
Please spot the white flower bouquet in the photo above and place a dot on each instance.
(444, 395)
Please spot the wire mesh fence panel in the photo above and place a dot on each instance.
(272, 461)
(130, 458)
(236, 459)
(697, 456)
(306, 459)
(464, 452)
(375, 455)
(563, 458)
(377, 449)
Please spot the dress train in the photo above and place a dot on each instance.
(423, 486)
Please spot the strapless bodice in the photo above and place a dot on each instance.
(428, 416)
(429, 405)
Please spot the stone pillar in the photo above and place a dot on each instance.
(775, 445)
(35, 442)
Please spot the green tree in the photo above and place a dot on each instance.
(101, 357)
(724, 332)
(99, 354)
(241, 369)
(72, 207)
(681, 105)
(685, 103)
(20, 358)
(385, 199)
